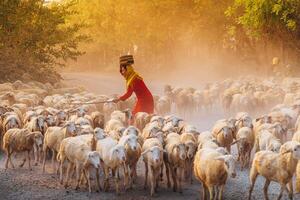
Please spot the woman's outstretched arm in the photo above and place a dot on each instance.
(127, 94)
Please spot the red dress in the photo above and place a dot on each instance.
(145, 101)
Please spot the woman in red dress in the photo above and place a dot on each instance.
(135, 83)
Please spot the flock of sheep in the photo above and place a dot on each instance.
(97, 142)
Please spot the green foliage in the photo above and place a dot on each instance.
(35, 38)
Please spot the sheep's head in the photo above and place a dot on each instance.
(13, 122)
(81, 111)
(190, 149)
(226, 131)
(121, 130)
(244, 145)
(50, 120)
(229, 164)
(264, 119)
(278, 128)
(247, 122)
(99, 120)
(70, 128)
(93, 159)
(153, 131)
(61, 115)
(99, 133)
(119, 152)
(131, 130)
(181, 150)
(160, 120)
(291, 147)
(36, 138)
(174, 121)
(160, 136)
(128, 114)
(132, 142)
(274, 146)
(41, 123)
(156, 155)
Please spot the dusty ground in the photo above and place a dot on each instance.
(22, 184)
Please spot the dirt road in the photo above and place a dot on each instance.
(21, 184)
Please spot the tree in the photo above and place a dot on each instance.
(265, 26)
(35, 38)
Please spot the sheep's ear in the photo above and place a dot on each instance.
(236, 141)
(257, 119)
(180, 130)
(220, 158)
(285, 152)
(144, 152)
(64, 126)
(30, 135)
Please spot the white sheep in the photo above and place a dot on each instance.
(54, 136)
(153, 158)
(133, 153)
(20, 140)
(175, 159)
(80, 155)
(223, 134)
(212, 169)
(113, 156)
(267, 141)
(191, 147)
(141, 119)
(278, 167)
(245, 142)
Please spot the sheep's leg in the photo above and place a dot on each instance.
(44, 161)
(156, 173)
(106, 181)
(29, 165)
(97, 178)
(84, 177)
(168, 174)
(283, 187)
(181, 172)
(8, 158)
(61, 169)
(88, 179)
(53, 160)
(190, 173)
(35, 154)
(126, 177)
(152, 182)
(116, 180)
(10, 161)
(249, 158)
(69, 169)
(146, 175)
(266, 186)
(204, 191)
(211, 192)
(134, 173)
(253, 176)
(221, 192)
(173, 173)
(290, 188)
(162, 172)
(6, 161)
(298, 178)
(78, 173)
